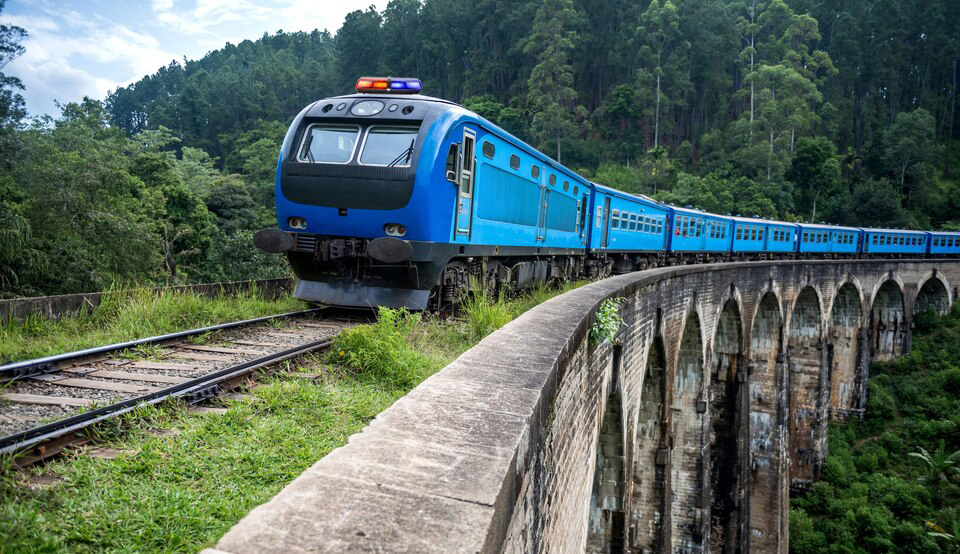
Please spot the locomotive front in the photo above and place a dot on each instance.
(356, 215)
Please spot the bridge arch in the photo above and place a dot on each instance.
(846, 350)
(805, 357)
(933, 292)
(648, 502)
(727, 399)
(688, 418)
(887, 320)
(765, 486)
(606, 531)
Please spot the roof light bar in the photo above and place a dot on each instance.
(391, 85)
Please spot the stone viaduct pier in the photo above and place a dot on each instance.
(686, 436)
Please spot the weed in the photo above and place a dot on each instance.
(608, 322)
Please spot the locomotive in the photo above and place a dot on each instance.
(388, 197)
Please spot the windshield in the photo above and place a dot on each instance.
(389, 146)
(329, 144)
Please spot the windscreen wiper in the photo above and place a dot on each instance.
(403, 155)
(306, 147)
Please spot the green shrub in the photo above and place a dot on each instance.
(381, 352)
(608, 322)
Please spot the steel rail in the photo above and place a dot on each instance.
(26, 368)
(193, 391)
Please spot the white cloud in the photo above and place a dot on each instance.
(54, 67)
(70, 54)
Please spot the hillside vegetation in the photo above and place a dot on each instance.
(891, 483)
(797, 109)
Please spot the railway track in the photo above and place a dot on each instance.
(46, 404)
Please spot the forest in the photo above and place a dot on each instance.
(891, 482)
(802, 110)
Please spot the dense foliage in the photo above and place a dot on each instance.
(891, 483)
(796, 109)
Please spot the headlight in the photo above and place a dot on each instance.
(395, 229)
(296, 222)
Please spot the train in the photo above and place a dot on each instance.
(388, 197)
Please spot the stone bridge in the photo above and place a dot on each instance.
(687, 436)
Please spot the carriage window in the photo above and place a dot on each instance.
(699, 227)
(615, 218)
(874, 239)
(553, 180)
(514, 161)
(633, 222)
(535, 172)
(739, 233)
(760, 234)
(566, 186)
(389, 146)
(576, 190)
(489, 150)
(753, 233)
(333, 144)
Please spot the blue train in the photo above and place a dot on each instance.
(388, 197)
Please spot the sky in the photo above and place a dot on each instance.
(86, 48)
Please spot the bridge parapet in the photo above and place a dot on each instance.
(688, 434)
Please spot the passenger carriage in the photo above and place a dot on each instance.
(829, 241)
(760, 238)
(894, 243)
(698, 236)
(943, 243)
(629, 230)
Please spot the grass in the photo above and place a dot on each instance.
(128, 315)
(182, 491)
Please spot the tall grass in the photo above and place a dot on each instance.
(381, 352)
(483, 314)
(131, 314)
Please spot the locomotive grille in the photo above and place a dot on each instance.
(306, 243)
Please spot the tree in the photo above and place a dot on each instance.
(815, 173)
(664, 53)
(359, 46)
(12, 109)
(552, 97)
(937, 466)
(909, 148)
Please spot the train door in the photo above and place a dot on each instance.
(606, 222)
(584, 218)
(542, 217)
(465, 190)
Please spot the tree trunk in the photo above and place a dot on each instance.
(953, 106)
(903, 174)
(656, 121)
(813, 216)
(770, 157)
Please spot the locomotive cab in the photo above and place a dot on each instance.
(356, 209)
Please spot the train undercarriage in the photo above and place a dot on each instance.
(429, 276)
